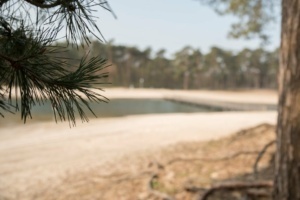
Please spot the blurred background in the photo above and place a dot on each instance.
(182, 45)
(182, 89)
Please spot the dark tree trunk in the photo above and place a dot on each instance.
(287, 169)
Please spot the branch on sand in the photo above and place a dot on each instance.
(260, 155)
(251, 189)
(236, 186)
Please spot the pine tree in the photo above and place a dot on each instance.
(31, 70)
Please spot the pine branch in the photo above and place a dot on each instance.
(37, 76)
(41, 4)
(4, 105)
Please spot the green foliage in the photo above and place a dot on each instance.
(189, 68)
(254, 16)
(33, 69)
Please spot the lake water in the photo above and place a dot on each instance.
(117, 108)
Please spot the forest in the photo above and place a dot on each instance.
(187, 68)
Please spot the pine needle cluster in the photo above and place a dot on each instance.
(31, 70)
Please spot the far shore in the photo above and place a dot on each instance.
(266, 96)
(238, 96)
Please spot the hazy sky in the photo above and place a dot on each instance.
(172, 24)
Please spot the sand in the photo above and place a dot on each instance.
(39, 152)
(238, 96)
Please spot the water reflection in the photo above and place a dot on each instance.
(115, 108)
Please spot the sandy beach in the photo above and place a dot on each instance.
(38, 152)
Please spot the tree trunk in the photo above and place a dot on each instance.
(287, 166)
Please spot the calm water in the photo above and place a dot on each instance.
(117, 108)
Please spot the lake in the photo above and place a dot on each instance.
(117, 108)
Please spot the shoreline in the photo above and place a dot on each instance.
(38, 152)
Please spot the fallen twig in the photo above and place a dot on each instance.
(236, 186)
(260, 155)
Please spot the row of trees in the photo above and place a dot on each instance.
(188, 69)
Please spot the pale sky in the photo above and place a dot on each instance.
(172, 24)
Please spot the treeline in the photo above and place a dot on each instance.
(188, 69)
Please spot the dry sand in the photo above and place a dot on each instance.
(238, 96)
(34, 153)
